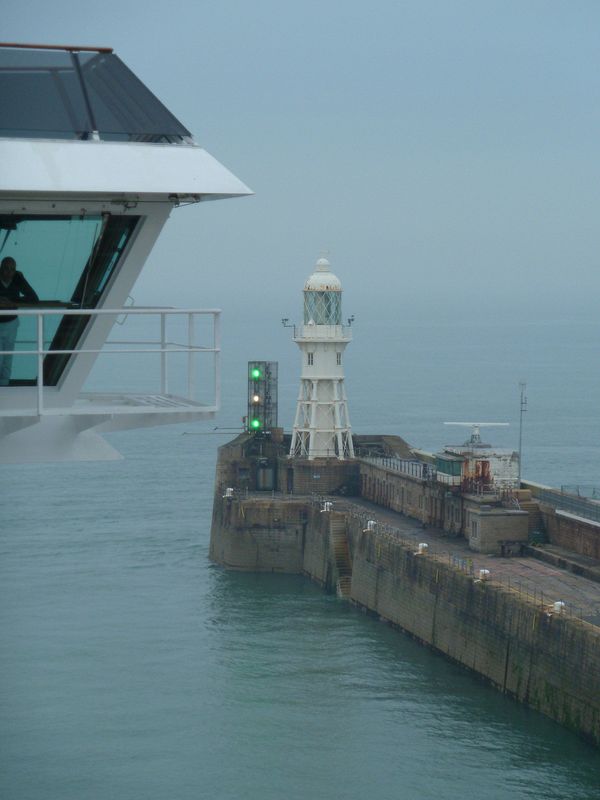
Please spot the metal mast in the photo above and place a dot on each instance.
(523, 409)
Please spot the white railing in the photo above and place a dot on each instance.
(308, 332)
(160, 345)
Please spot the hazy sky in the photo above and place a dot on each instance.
(444, 153)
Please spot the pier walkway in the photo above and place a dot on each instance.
(538, 580)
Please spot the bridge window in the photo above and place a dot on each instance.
(72, 93)
(68, 261)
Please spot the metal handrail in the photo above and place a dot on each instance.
(563, 501)
(413, 469)
(165, 346)
(329, 330)
(125, 311)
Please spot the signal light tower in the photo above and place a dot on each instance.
(322, 425)
(262, 396)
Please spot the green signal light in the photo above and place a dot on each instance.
(255, 424)
(256, 373)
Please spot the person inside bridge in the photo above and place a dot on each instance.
(15, 292)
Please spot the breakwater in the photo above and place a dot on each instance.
(521, 645)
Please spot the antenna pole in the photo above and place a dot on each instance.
(522, 386)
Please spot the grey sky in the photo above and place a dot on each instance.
(445, 153)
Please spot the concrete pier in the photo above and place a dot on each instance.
(530, 626)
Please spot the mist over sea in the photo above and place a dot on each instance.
(133, 668)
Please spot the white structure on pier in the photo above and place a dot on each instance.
(322, 426)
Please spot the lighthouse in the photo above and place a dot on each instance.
(322, 425)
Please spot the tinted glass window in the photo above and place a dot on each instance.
(70, 94)
(120, 101)
(41, 94)
(68, 262)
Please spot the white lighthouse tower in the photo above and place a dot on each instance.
(322, 425)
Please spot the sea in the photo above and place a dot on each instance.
(132, 668)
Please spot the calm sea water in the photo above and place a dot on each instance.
(133, 668)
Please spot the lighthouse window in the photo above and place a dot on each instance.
(310, 359)
(339, 359)
(68, 262)
(323, 308)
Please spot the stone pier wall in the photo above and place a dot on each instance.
(574, 534)
(415, 497)
(569, 521)
(259, 535)
(548, 662)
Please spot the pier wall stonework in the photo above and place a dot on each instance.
(487, 529)
(411, 496)
(573, 534)
(259, 535)
(548, 662)
(319, 476)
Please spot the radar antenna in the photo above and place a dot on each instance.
(475, 432)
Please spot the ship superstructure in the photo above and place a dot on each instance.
(92, 166)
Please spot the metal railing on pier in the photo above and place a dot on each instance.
(413, 469)
(563, 501)
(527, 590)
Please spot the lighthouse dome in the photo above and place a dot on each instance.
(323, 279)
(323, 296)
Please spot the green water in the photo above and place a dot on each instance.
(133, 668)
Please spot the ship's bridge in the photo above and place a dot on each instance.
(92, 165)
